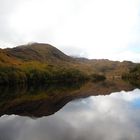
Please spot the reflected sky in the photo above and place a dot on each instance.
(111, 117)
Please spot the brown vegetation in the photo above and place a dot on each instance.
(42, 62)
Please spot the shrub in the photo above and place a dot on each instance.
(97, 77)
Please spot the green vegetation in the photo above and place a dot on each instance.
(31, 75)
(11, 75)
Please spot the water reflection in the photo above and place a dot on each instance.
(45, 100)
(104, 117)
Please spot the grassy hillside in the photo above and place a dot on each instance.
(43, 63)
(38, 52)
(37, 63)
(7, 59)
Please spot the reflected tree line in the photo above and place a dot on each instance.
(41, 100)
(133, 76)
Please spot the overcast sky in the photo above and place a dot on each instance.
(88, 28)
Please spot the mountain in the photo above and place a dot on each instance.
(36, 61)
(7, 59)
(38, 52)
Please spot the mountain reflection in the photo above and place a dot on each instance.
(104, 117)
(45, 100)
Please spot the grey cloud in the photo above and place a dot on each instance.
(72, 23)
(7, 7)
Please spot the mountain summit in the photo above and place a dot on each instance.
(38, 52)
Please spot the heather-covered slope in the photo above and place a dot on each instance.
(38, 52)
(42, 63)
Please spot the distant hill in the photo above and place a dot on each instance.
(34, 59)
(38, 52)
(46, 53)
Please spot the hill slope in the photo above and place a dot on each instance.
(37, 61)
(38, 52)
(7, 59)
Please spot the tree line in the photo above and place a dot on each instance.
(39, 75)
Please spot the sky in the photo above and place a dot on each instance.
(98, 29)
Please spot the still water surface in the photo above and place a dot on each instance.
(104, 117)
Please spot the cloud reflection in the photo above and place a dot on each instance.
(111, 117)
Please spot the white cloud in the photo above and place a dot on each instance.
(94, 28)
(128, 55)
